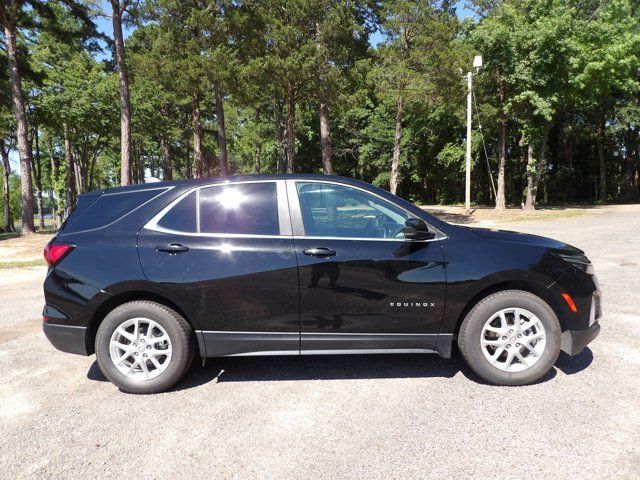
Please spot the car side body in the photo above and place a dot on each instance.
(287, 289)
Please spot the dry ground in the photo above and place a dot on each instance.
(374, 417)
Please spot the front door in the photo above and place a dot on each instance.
(362, 285)
(225, 252)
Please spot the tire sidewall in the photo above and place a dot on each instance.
(519, 299)
(179, 344)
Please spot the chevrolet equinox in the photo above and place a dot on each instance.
(149, 276)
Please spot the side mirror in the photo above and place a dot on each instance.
(417, 229)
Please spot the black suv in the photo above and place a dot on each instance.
(146, 276)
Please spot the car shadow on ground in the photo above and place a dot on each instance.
(572, 365)
(340, 367)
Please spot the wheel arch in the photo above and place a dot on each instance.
(523, 285)
(119, 299)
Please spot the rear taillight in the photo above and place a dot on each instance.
(54, 253)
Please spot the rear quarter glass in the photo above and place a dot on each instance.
(110, 208)
(84, 202)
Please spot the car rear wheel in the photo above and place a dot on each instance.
(144, 347)
(511, 337)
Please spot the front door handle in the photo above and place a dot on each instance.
(172, 248)
(320, 252)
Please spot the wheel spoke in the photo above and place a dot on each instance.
(145, 369)
(496, 354)
(503, 320)
(530, 348)
(159, 339)
(510, 356)
(522, 359)
(131, 367)
(150, 328)
(136, 329)
(535, 336)
(123, 358)
(490, 328)
(155, 362)
(126, 334)
(159, 353)
(119, 345)
(491, 342)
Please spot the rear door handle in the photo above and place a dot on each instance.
(320, 252)
(172, 248)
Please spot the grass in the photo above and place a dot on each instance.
(36, 262)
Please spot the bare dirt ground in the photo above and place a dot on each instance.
(18, 250)
(374, 417)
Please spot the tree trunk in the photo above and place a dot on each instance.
(222, 131)
(325, 126)
(603, 161)
(395, 161)
(166, 158)
(68, 160)
(325, 139)
(125, 105)
(165, 146)
(197, 138)
(535, 169)
(6, 171)
(37, 175)
(280, 135)
(291, 127)
(55, 210)
(257, 157)
(24, 147)
(529, 203)
(502, 155)
(542, 161)
(77, 170)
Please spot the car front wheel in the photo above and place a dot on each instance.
(511, 337)
(144, 347)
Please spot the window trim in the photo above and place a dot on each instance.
(283, 213)
(298, 224)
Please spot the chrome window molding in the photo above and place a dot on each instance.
(289, 215)
(166, 189)
(137, 191)
(283, 213)
(298, 224)
(439, 236)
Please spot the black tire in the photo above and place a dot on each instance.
(469, 337)
(180, 334)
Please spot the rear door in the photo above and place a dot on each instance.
(226, 252)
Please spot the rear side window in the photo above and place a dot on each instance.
(247, 208)
(182, 217)
(84, 202)
(111, 207)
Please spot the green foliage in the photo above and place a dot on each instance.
(15, 200)
(563, 73)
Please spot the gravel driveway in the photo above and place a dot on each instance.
(335, 417)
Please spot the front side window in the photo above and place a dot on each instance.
(330, 210)
(246, 208)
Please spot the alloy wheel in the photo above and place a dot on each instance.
(140, 349)
(513, 339)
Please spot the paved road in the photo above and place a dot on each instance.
(335, 417)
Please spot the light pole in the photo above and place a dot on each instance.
(477, 63)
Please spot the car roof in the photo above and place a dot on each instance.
(231, 179)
